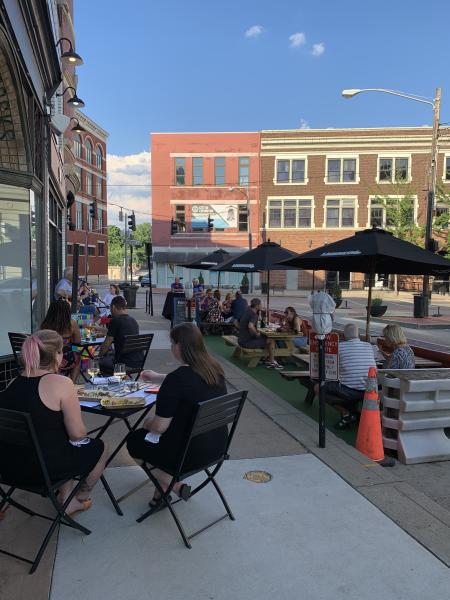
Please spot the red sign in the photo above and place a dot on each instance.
(331, 356)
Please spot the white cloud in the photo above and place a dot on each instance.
(129, 186)
(254, 31)
(318, 49)
(304, 124)
(297, 39)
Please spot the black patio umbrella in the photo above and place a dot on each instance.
(265, 257)
(372, 251)
(209, 261)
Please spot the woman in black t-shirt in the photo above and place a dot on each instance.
(199, 378)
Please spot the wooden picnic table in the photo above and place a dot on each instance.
(281, 336)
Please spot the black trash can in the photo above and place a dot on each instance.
(129, 293)
(420, 306)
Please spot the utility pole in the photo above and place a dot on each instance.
(431, 196)
(126, 246)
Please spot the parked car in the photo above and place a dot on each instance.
(145, 281)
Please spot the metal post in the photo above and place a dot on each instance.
(431, 190)
(321, 340)
(148, 250)
(250, 240)
(125, 233)
(86, 253)
(75, 261)
(131, 264)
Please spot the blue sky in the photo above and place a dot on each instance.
(173, 65)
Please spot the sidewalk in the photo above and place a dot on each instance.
(315, 527)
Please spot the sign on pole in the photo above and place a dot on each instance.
(331, 357)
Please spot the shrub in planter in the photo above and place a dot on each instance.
(244, 284)
(200, 279)
(336, 294)
(377, 308)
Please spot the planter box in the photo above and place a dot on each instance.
(378, 310)
(244, 289)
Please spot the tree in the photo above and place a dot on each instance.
(115, 246)
(142, 234)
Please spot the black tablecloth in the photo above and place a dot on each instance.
(167, 311)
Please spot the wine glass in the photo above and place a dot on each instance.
(93, 368)
(120, 372)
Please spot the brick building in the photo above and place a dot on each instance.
(89, 167)
(319, 186)
(196, 176)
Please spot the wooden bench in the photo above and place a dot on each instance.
(301, 359)
(253, 354)
(304, 379)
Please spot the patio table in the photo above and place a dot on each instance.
(90, 347)
(114, 415)
(281, 336)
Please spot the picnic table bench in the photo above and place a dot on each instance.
(254, 355)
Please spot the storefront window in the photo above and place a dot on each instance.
(15, 271)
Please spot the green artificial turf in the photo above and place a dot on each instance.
(291, 391)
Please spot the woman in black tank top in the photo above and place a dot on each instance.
(50, 400)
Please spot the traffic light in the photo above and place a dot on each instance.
(132, 222)
(173, 227)
(93, 209)
(210, 224)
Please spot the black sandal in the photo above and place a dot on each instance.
(157, 504)
(185, 492)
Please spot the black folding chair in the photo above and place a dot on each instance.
(16, 340)
(18, 433)
(209, 416)
(136, 343)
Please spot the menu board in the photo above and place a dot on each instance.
(179, 311)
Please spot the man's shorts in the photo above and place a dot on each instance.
(344, 396)
(258, 342)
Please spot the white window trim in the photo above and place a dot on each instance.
(313, 226)
(393, 196)
(340, 197)
(341, 156)
(446, 155)
(393, 155)
(290, 158)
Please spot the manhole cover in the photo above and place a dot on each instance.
(258, 476)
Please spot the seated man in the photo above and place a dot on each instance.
(355, 359)
(177, 286)
(197, 288)
(120, 325)
(250, 337)
(238, 306)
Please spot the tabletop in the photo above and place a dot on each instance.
(273, 333)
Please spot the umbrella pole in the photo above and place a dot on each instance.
(218, 280)
(369, 304)
(314, 281)
(268, 295)
(321, 341)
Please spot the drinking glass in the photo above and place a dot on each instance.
(120, 372)
(93, 369)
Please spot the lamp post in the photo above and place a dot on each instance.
(436, 105)
(249, 227)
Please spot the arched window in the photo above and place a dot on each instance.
(88, 151)
(98, 157)
(77, 145)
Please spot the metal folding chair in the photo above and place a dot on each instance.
(136, 343)
(17, 433)
(209, 416)
(16, 340)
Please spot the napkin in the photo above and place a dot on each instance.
(105, 380)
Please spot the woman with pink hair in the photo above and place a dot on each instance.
(51, 401)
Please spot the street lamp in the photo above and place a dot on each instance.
(436, 105)
(249, 228)
(75, 101)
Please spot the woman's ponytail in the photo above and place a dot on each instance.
(31, 354)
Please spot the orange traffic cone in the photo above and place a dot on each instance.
(369, 440)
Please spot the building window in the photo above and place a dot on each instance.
(291, 171)
(340, 212)
(99, 219)
(98, 158)
(90, 221)
(180, 218)
(98, 188)
(341, 170)
(197, 170)
(391, 170)
(244, 170)
(77, 145)
(89, 184)
(78, 173)
(88, 151)
(290, 213)
(219, 170)
(81, 247)
(79, 216)
(101, 249)
(180, 171)
(392, 211)
(91, 250)
(243, 218)
(377, 215)
(69, 249)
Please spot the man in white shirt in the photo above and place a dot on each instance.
(355, 359)
(63, 288)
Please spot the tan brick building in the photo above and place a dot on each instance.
(319, 186)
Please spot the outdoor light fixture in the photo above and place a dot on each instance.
(70, 55)
(77, 128)
(74, 101)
